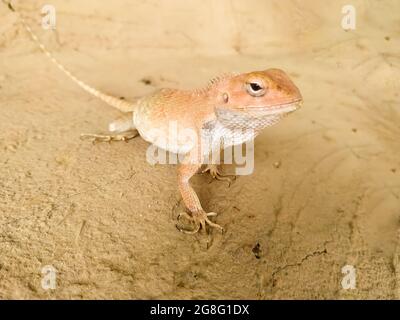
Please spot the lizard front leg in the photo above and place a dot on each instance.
(198, 216)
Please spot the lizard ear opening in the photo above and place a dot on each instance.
(225, 97)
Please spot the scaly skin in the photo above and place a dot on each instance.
(252, 100)
(228, 103)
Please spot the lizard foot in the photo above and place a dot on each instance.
(200, 220)
(217, 175)
(108, 138)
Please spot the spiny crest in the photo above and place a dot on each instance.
(220, 78)
(215, 81)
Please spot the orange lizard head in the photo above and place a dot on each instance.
(271, 89)
(267, 95)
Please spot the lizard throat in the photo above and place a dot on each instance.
(255, 119)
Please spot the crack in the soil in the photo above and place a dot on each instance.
(277, 211)
(297, 264)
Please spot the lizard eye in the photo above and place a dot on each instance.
(255, 89)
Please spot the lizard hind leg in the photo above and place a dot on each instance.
(122, 128)
(122, 124)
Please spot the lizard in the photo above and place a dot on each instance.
(228, 104)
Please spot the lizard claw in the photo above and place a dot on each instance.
(217, 175)
(201, 220)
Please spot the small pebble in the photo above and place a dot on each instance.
(277, 164)
(146, 81)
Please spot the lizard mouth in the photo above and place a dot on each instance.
(274, 109)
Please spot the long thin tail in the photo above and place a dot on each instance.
(119, 104)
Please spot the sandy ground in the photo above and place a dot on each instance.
(105, 218)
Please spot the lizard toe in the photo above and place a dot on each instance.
(200, 220)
